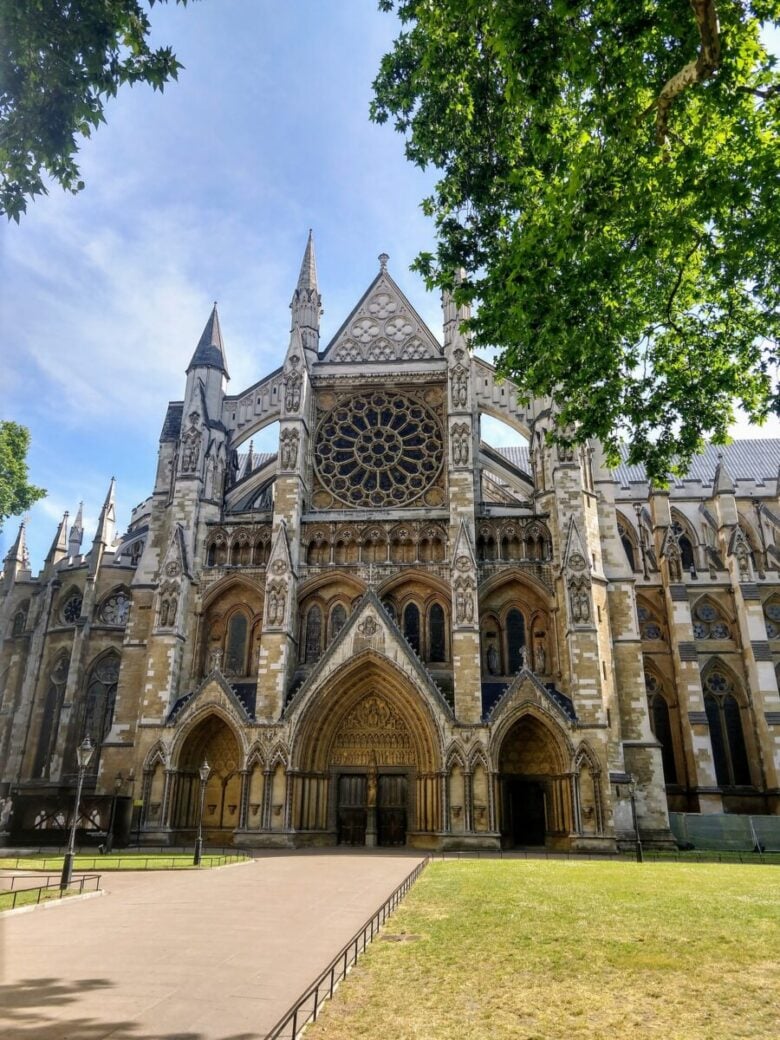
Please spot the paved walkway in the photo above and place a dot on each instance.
(211, 955)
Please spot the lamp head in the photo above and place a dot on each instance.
(84, 752)
(204, 771)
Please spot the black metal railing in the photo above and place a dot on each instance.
(117, 861)
(307, 1007)
(32, 895)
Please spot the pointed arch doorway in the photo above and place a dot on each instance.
(213, 741)
(535, 786)
(368, 761)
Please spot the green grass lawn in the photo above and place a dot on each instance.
(119, 861)
(563, 950)
(25, 898)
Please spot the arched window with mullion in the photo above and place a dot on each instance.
(662, 729)
(727, 736)
(47, 734)
(98, 712)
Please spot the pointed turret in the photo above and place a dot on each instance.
(17, 559)
(306, 303)
(453, 315)
(76, 533)
(59, 547)
(210, 351)
(105, 534)
(722, 481)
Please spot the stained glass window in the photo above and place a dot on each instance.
(235, 650)
(338, 617)
(412, 626)
(515, 640)
(436, 633)
(313, 639)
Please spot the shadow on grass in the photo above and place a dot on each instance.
(28, 1011)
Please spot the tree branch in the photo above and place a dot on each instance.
(706, 65)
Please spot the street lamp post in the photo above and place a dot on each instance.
(640, 858)
(83, 755)
(112, 821)
(204, 775)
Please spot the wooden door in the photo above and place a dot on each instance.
(391, 809)
(352, 809)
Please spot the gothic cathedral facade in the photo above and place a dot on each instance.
(389, 632)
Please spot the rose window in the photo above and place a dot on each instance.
(378, 450)
(115, 608)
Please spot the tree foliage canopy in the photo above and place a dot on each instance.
(610, 182)
(60, 60)
(16, 494)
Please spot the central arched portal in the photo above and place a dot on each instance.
(535, 786)
(368, 764)
(212, 741)
(374, 760)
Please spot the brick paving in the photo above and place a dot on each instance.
(210, 955)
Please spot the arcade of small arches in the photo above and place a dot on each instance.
(374, 772)
(699, 549)
(239, 547)
(513, 541)
(341, 545)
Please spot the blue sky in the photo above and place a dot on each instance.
(204, 192)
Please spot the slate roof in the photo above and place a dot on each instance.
(753, 459)
(756, 459)
(171, 429)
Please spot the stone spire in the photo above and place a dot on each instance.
(306, 303)
(17, 559)
(76, 533)
(210, 351)
(59, 547)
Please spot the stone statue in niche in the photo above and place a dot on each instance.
(492, 659)
(460, 387)
(580, 602)
(742, 554)
(460, 444)
(190, 446)
(671, 551)
(540, 658)
(288, 449)
(277, 602)
(464, 601)
(215, 659)
(292, 385)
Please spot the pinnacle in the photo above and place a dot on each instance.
(307, 279)
(210, 351)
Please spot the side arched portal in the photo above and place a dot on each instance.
(213, 741)
(368, 760)
(535, 785)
